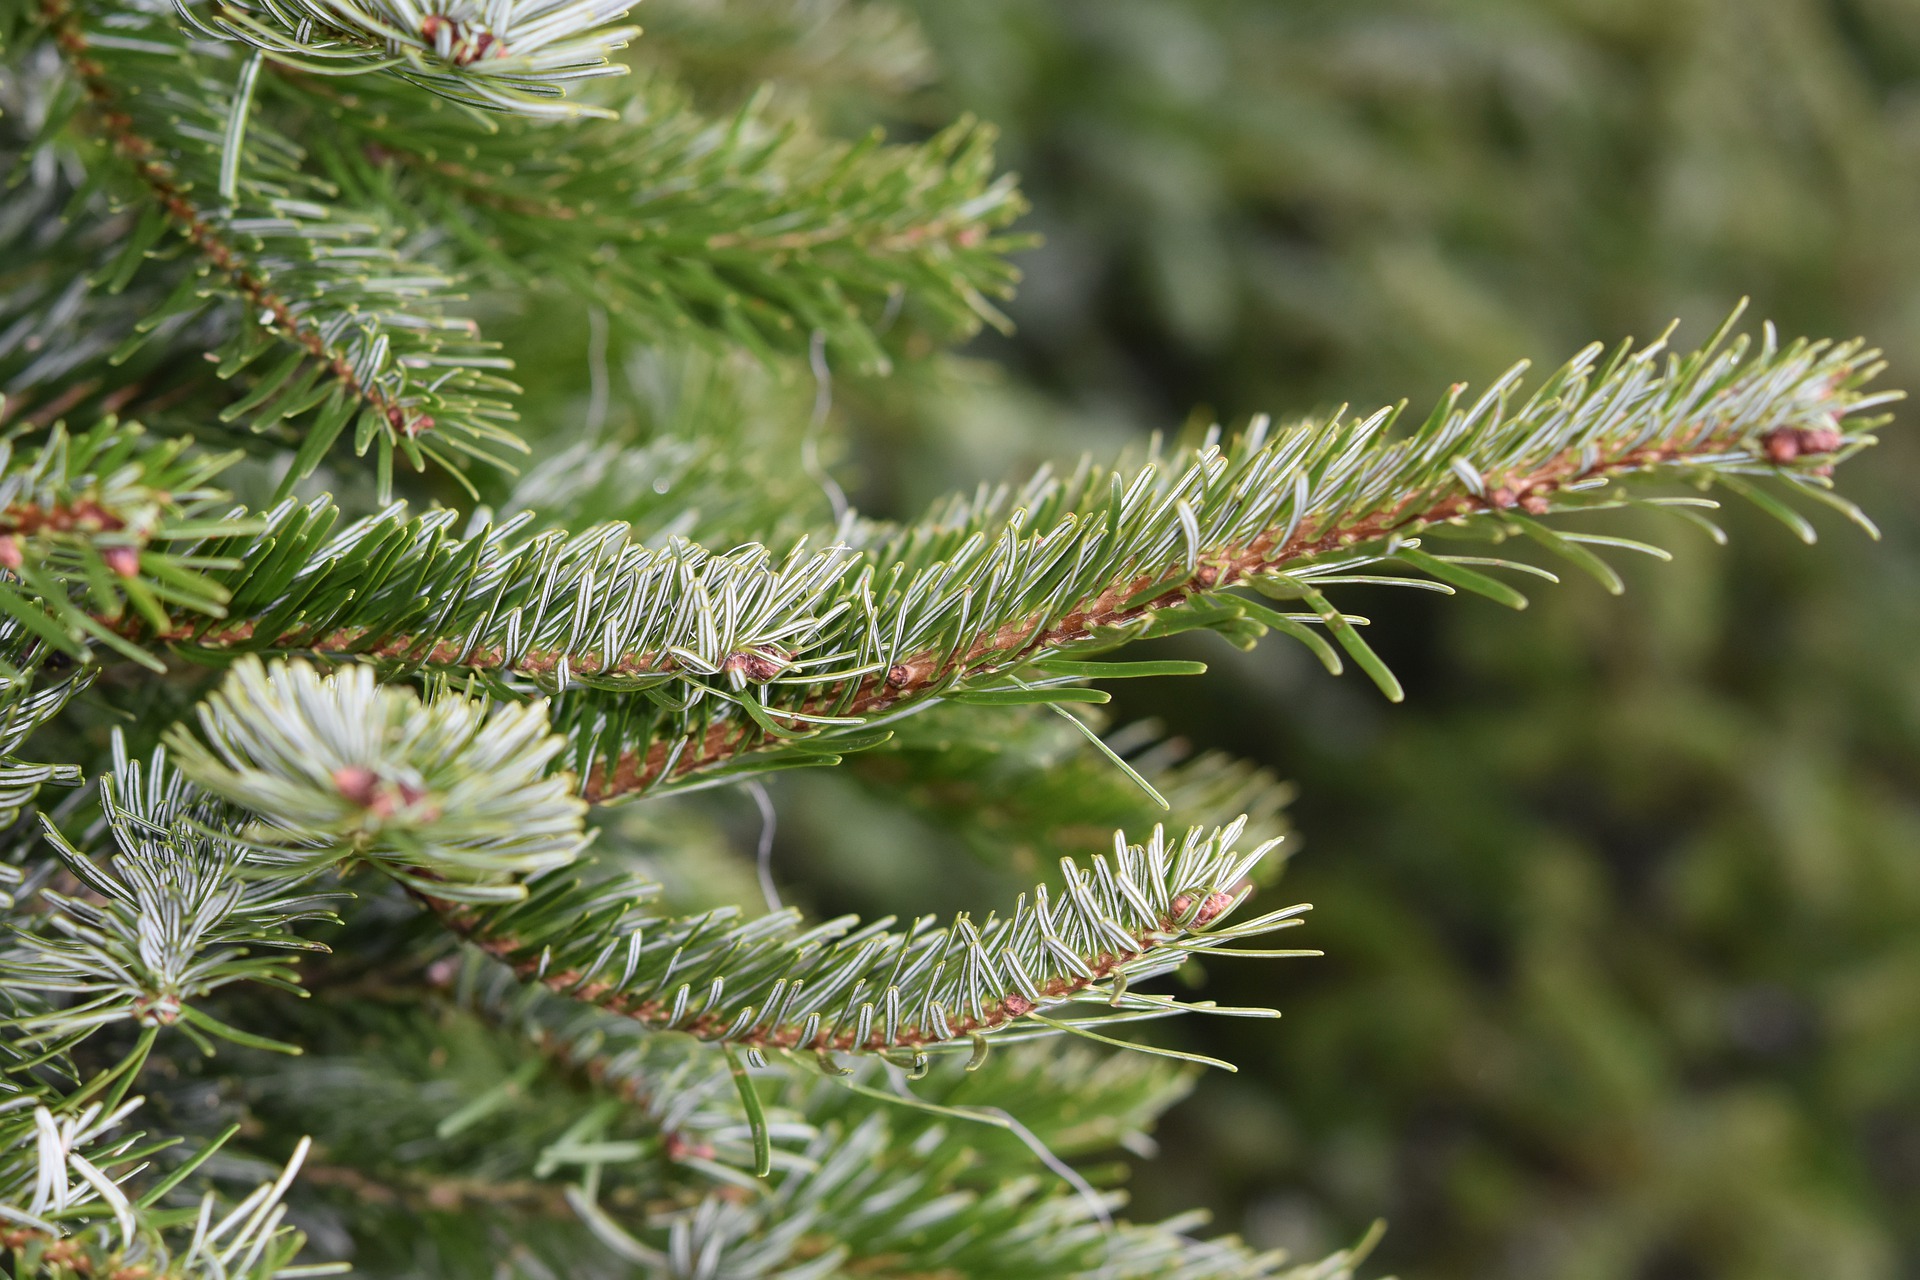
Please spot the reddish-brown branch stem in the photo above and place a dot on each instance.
(1219, 568)
(927, 670)
(144, 157)
(1009, 1007)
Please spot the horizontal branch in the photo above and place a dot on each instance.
(844, 987)
(732, 231)
(1010, 646)
(674, 666)
(1095, 973)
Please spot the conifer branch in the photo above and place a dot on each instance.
(464, 818)
(841, 987)
(636, 1130)
(91, 524)
(23, 710)
(362, 329)
(505, 55)
(168, 919)
(1074, 1099)
(1705, 419)
(164, 187)
(738, 230)
(68, 1208)
(57, 334)
(675, 666)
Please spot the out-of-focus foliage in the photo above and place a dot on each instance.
(1622, 909)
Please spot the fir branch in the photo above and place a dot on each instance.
(363, 330)
(1289, 514)
(59, 328)
(448, 796)
(23, 710)
(67, 1210)
(507, 55)
(860, 1199)
(169, 918)
(739, 230)
(645, 1138)
(844, 987)
(458, 808)
(1072, 1099)
(89, 524)
(681, 667)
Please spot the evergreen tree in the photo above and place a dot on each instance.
(368, 879)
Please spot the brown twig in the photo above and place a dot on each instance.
(1010, 645)
(164, 186)
(1007, 647)
(470, 924)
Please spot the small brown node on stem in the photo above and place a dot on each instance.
(1784, 444)
(381, 797)
(156, 1011)
(758, 665)
(124, 561)
(357, 783)
(1210, 910)
(414, 425)
(467, 43)
(678, 1148)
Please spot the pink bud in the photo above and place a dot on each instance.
(357, 784)
(124, 561)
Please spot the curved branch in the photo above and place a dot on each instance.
(1143, 917)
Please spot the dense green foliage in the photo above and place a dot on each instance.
(477, 525)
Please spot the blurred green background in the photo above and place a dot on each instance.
(1622, 908)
